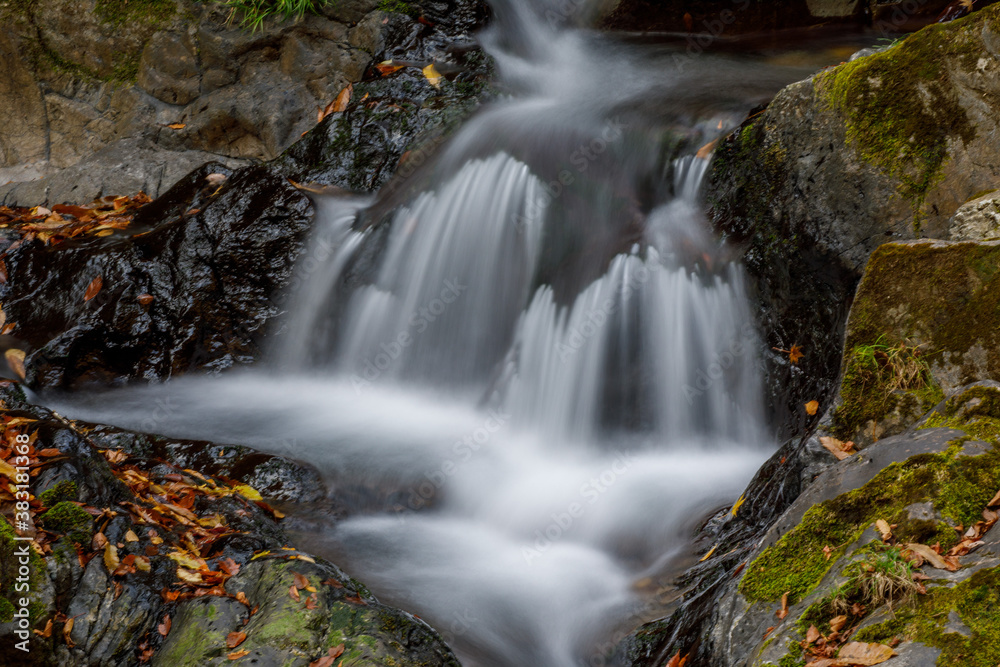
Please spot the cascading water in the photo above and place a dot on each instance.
(549, 371)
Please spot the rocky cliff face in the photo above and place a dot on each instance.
(111, 97)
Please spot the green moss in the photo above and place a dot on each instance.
(946, 297)
(64, 490)
(881, 378)
(399, 7)
(71, 520)
(153, 13)
(977, 602)
(6, 611)
(959, 487)
(899, 107)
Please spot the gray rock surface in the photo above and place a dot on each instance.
(105, 81)
(978, 220)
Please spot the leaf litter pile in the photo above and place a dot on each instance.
(63, 222)
(171, 531)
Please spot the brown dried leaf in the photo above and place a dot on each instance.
(839, 449)
(885, 529)
(928, 554)
(15, 359)
(812, 634)
(164, 627)
(837, 623)
(300, 581)
(294, 592)
(93, 288)
(234, 639)
(236, 655)
(783, 612)
(67, 631)
(145, 299)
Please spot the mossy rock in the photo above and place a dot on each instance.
(70, 519)
(64, 490)
(941, 300)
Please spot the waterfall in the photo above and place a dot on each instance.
(531, 378)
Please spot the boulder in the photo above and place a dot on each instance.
(884, 148)
(214, 259)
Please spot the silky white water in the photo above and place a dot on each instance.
(550, 373)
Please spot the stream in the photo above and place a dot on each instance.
(527, 384)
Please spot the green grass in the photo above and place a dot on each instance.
(253, 13)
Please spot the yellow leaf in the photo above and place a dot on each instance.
(247, 492)
(177, 126)
(131, 537)
(111, 557)
(433, 76)
(812, 407)
(737, 505)
(188, 576)
(709, 554)
(184, 559)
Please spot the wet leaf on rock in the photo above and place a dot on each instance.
(164, 627)
(234, 639)
(93, 288)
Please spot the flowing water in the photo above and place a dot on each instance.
(549, 373)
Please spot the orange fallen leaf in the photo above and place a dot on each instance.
(795, 354)
(177, 126)
(234, 639)
(387, 67)
(784, 607)
(47, 632)
(15, 359)
(678, 660)
(924, 552)
(812, 634)
(300, 581)
(67, 631)
(164, 627)
(236, 655)
(293, 592)
(145, 299)
(93, 288)
(812, 407)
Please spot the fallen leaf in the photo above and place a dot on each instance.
(300, 581)
(93, 288)
(737, 505)
(236, 655)
(387, 67)
(131, 537)
(234, 639)
(145, 299)
(812, 634)
(931, 556)
(242, 597)
(67, 631)
(995, 502)
(784, 607)
(837, 623)
(433, 76)
(15, 359)
(247, 492)
(294, 592)
(3, 272)
(865, 654)
(336, 651)
(839, 449)
(812, 407)
(795, 354)
(111, 557)
(678, 660)
(188, 576)
(177, 126)
(47, 632)
(142, 563)
(338, 105)
(884, 529)
(98, 542)
(709, 554)
(325, 661)
(164, 627)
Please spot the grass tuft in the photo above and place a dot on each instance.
(255, 12)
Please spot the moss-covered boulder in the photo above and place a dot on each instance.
(925, 321)
(883, 148)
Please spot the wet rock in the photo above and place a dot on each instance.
(116, 614)
(816, 182)
(212, 257)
